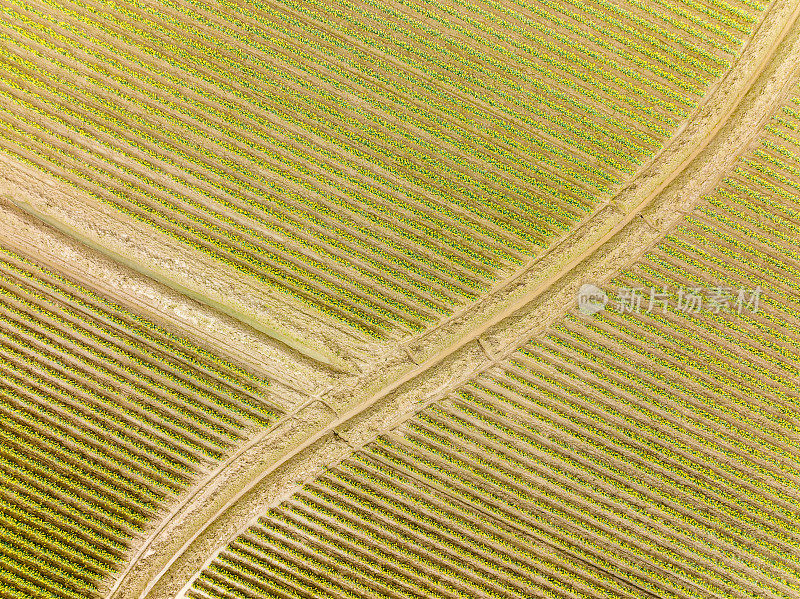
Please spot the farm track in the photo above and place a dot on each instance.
(117, 296)
(605, 432)
(290, 576)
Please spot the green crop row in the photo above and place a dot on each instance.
(125, 193)
(111, 366)
(466, 470)
(122, 319)
(241, 240)
(101, 376)
(156, 82)
(65, 468)
(667, 415)
(83, 329)
(90, 442)
(82, 473)
(95, 28)
(69, 398)
(594, 512)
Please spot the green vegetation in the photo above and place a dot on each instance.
(622, 454)
(386, 163)
(104, 419)
(345, 152)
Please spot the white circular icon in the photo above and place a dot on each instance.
(591, 299)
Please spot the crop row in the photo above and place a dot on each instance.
(550, 511)
(172, 416)
(86, 305)
(157, 61)
(34, 317)
(622, 455)
(695, 447)
(237, 244)
(211, 391)
(121, 194)
(104, 418)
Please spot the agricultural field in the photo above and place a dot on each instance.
(622, 454)
(288, 299)
(106, 418)
(346, 160)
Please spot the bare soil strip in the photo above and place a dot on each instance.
(207, 327)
